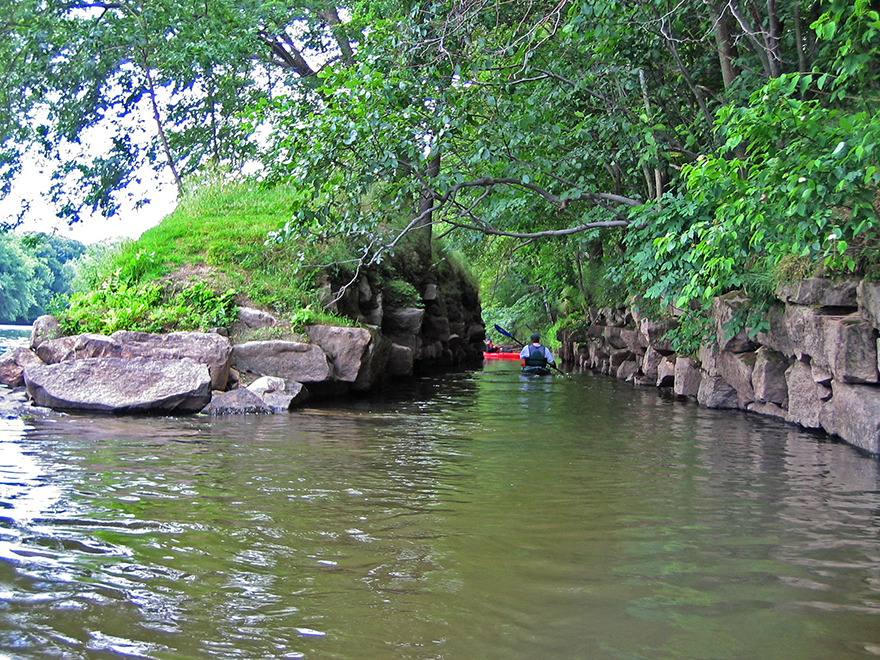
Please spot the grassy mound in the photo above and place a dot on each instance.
(191, 271)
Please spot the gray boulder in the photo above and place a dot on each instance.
(44, 328)
(359, 355)
(805, 396)
(237, 402)
(768, 377)
(210, 349)
(687, 377)
(12, 364)
(819, 292)
(290, 360)
(853, 413)
(851, 349)
(279, 394)
(120, 385)
(715, 392)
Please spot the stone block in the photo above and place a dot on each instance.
(724, 310)
(820, 292)
(768, 377)
(805, 396)
(666, 371)
(851, 349)
(687, 377)
(737, 370)
(715, 392)
(853, 413)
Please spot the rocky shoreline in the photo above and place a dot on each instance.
(192, 372)
(816, 366)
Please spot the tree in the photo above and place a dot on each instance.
(82, 74)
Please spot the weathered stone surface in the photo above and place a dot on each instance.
(709, 359)
(666, 372)
(120, 385)
(77, 347)
(44, 328)
(14, 404)
(402, 321)
(853, 413)
(627, 370)
(868, 295)
(12, 364)
(359, 356)
(303, 363)
(651, 362)
(687, 377)
(400, 361)
(805, 396)
(714, 392)
(819, 292)
(806, 329)
(737, 369)
(655, 331)
(768, 377)
(724, 310)
(612, 336)
(776, 337)
(256, 318)
(237, 402)
(768, 410)
(851, 349)
(279, 394)
(620, 356)
(634, 340)
(210, 349)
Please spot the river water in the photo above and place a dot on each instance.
(478, 515)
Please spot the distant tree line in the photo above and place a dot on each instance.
(35, 269)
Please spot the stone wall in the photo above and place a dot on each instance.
(816, 366)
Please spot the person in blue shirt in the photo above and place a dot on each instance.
(536, 355)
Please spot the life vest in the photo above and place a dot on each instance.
(536, 357)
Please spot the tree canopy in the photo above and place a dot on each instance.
(682, 148)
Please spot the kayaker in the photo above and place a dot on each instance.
(536, 355)
(490, 347)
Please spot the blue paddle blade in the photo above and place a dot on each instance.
(503, 331)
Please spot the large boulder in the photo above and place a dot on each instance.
(208, 348)
(737, 370)
(291, 360)
(359, 355)
(44, 328)
(725, 310)
(12, 364)
(120, 385)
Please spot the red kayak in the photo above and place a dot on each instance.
(501, 356)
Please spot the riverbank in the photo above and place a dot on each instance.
(816, 366)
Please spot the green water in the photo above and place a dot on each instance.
(480, 515)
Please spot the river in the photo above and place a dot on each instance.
(478, 515)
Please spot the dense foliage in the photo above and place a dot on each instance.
(578, 152)
(35, 269)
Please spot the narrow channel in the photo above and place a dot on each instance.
(475, 515)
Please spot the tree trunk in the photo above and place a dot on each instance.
(423, 231)
(727, 53)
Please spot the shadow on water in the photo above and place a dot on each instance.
(476, 514)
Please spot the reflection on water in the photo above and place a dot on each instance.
(14, 336)
(484, 515)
